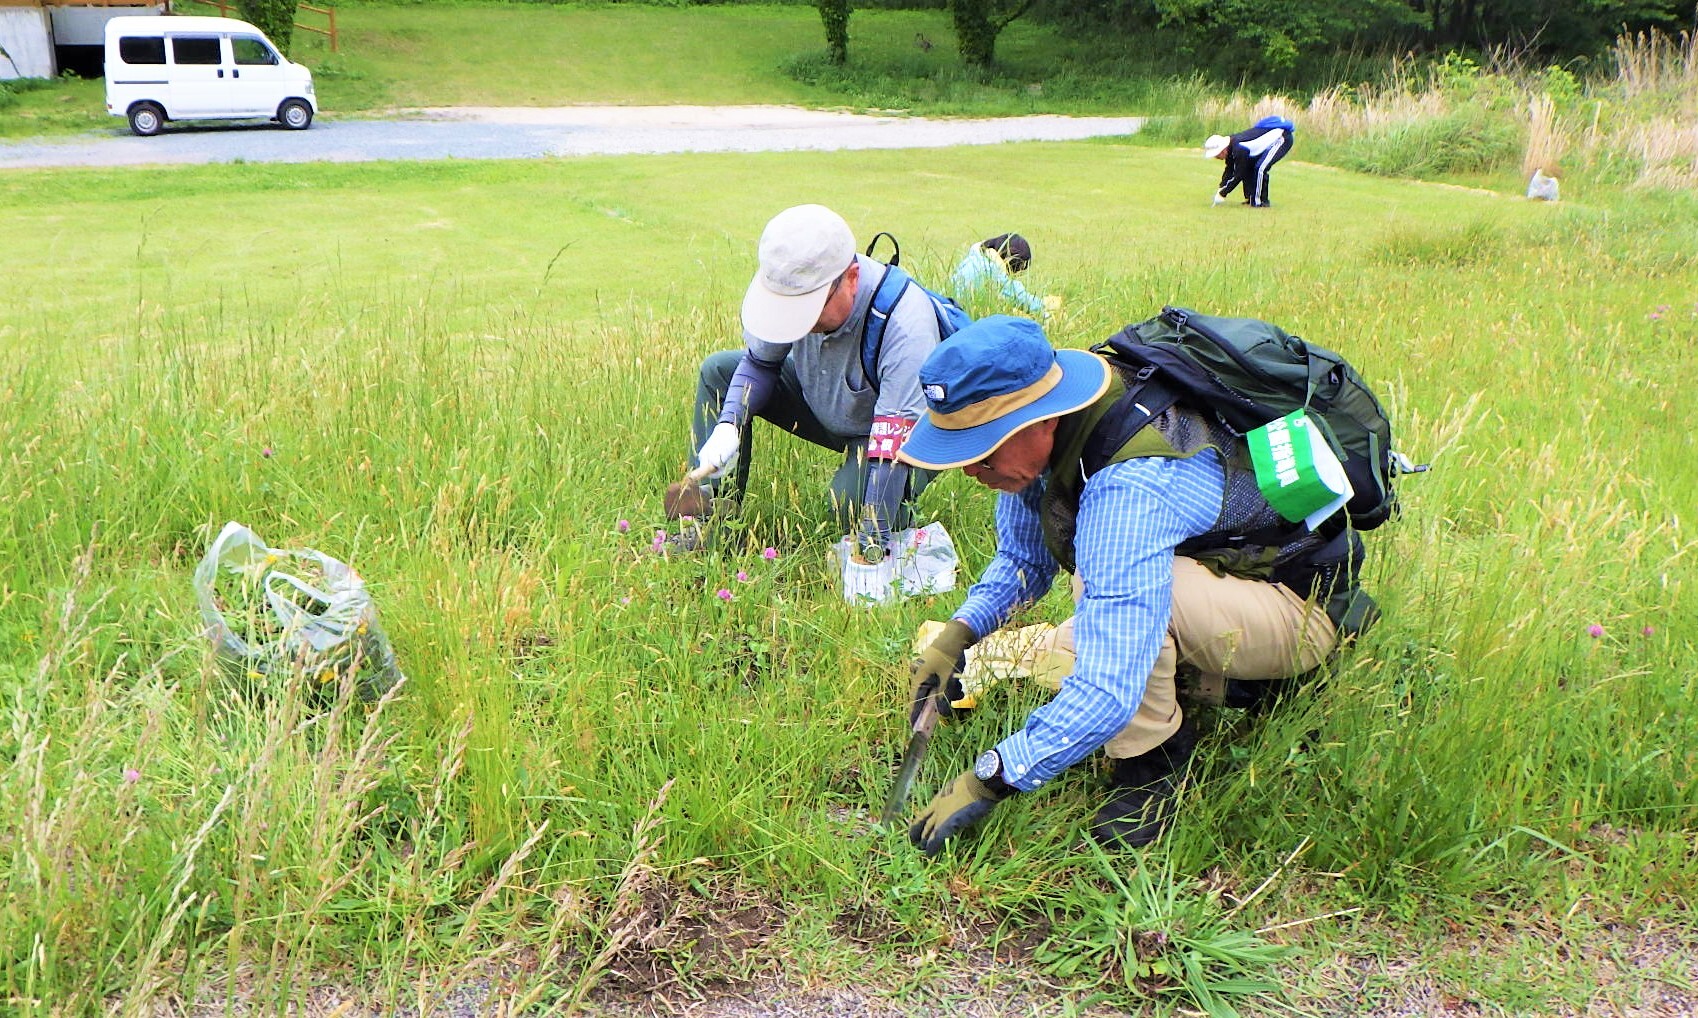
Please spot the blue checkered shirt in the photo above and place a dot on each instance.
(1131, 517)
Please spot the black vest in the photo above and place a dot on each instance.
(1248, 539)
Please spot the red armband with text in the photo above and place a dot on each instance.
(887, 436)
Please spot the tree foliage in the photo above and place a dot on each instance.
(1256, 37)
(1558, 27)
(276, 18)
(1275, 34)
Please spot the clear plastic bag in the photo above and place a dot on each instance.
(270, 611)
(1541, 187)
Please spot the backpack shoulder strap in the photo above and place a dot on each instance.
(1146, 398)
(891, 286)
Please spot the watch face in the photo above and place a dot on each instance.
(988, 765)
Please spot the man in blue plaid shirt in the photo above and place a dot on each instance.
(1150, 523)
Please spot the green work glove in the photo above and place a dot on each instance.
(939, 667)
(962, 803)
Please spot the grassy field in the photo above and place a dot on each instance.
(471, 382)
(415, 55)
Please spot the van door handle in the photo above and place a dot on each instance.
(221, 72)
(237, 73)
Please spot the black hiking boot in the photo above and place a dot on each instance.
(1144, 789)
(1260, 696)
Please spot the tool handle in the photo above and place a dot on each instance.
(927, 720)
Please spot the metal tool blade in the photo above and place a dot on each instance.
(911, 758)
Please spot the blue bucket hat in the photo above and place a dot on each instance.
(988, 381)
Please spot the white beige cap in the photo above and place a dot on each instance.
(802, 251)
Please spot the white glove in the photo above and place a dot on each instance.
(1218, 199)
(720, 450)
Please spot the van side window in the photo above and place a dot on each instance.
(195, 49)
(141, 49)
(249, 50)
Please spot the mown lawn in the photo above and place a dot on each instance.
(407, 56)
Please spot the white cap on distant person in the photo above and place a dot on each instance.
(802, 252)
(1215, 145)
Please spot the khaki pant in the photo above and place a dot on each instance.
(1223, 626)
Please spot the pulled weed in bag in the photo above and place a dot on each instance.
(272, 612)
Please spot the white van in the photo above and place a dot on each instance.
(184, 68)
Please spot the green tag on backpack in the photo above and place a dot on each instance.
(1297, 470)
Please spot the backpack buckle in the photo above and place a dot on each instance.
(1402, 464)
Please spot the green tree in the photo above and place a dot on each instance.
(1273, 35)
(1276, 38)
(835, 14)
(276, 18)
(1547, 27)
(978, 23)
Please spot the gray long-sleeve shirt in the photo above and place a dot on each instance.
(838, 391)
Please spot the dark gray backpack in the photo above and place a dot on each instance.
(1248, 372)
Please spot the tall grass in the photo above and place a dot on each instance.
(466, 376)
(1546, 142)
(1655, 64)
(1636, 125)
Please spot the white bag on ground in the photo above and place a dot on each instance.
(917, 561)
(1028, 653)
(1542, 187)
(868, 583)
(291, 612)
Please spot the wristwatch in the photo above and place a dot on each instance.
(988, 769)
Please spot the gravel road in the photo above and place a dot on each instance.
(525, 133)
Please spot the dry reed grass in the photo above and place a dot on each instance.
(1667, 151)
(1547, 141)
(1342, 112)
(1652, 62)
(1661, 70)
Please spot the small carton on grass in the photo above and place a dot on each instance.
(1297, 470)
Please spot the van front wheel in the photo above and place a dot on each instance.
(294, 114)
(147, 119)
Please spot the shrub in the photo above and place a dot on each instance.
(14, 87)
(1469, 140)
(276, 18)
